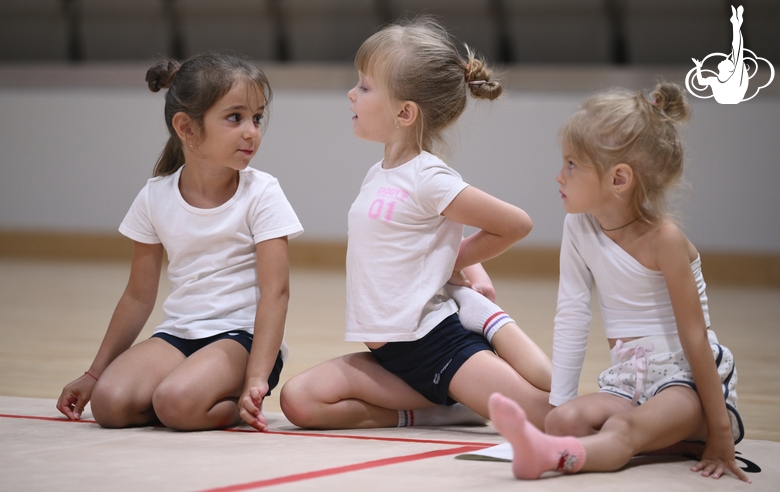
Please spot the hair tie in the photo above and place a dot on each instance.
(478, 82)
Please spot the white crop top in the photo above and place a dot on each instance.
(633, 299)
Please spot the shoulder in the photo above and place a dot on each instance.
(577, 221)
(431, 165)
(161, 181)
(578, 224)
(670, 246)
(260, 184)
(158, 189)
(256, 177)
(668, 236)
(162, 186)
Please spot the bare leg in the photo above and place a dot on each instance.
(585, 415)
(477, 313)
(484, 374)
(673, 415)
(513, 345)
(202, 392)
(123, 395)
(352, 391)
(534, 452)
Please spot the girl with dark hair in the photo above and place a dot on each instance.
(224, 226)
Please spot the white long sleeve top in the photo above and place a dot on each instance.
(633, 299)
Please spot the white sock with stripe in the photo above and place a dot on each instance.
(477, 313)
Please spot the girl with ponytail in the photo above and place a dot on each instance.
(405, 244)
(224, 226)
(671, 388)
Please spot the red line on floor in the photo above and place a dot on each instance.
(286, 433)
(344, 469)
(372, 438)
(51, 419)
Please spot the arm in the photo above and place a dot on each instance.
(572, 319)
(274, 283)
(478, 279)
(673, 258)
(129, 317)
(475, 277)
(501, 225)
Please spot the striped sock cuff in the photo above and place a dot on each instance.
(494, 322)
(405, 418)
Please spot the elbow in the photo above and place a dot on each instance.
(522, 226)
(277, 294)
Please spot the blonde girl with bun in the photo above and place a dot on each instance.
(671, 384)
(405, 243)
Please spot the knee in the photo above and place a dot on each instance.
(174, 405)
(567, 420)
(110, 404)
(621, 424)
(297, 403)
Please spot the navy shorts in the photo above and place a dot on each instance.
(189, 347)
(429, 364)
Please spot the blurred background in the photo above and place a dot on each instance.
(80, 132)
(629, 32)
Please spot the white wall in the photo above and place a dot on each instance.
(73, 160)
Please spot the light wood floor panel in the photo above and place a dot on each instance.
(53, 315)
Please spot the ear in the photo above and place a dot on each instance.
(622, 177)
(184, 127)
(407, 114)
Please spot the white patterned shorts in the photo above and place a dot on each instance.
(642, 368)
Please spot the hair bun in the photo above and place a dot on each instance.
(160, 75)
(671, 99)
(478, 77)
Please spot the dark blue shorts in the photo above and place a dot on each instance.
(189, 347)
(428, 364)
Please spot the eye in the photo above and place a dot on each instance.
(572, 165)
(362, 88)
(257, 118)
(235, 117)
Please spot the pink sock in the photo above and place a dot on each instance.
(476, 312)
(534, 451)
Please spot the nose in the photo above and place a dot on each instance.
(559, 177)
(251, 131)
(351, 94)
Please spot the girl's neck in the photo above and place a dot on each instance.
(616, 220)
(397, 154)
(205, 187)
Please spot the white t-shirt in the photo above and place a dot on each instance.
(401, 251)
(633, 299)
(211, 252)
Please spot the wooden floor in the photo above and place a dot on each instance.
(53, 315)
